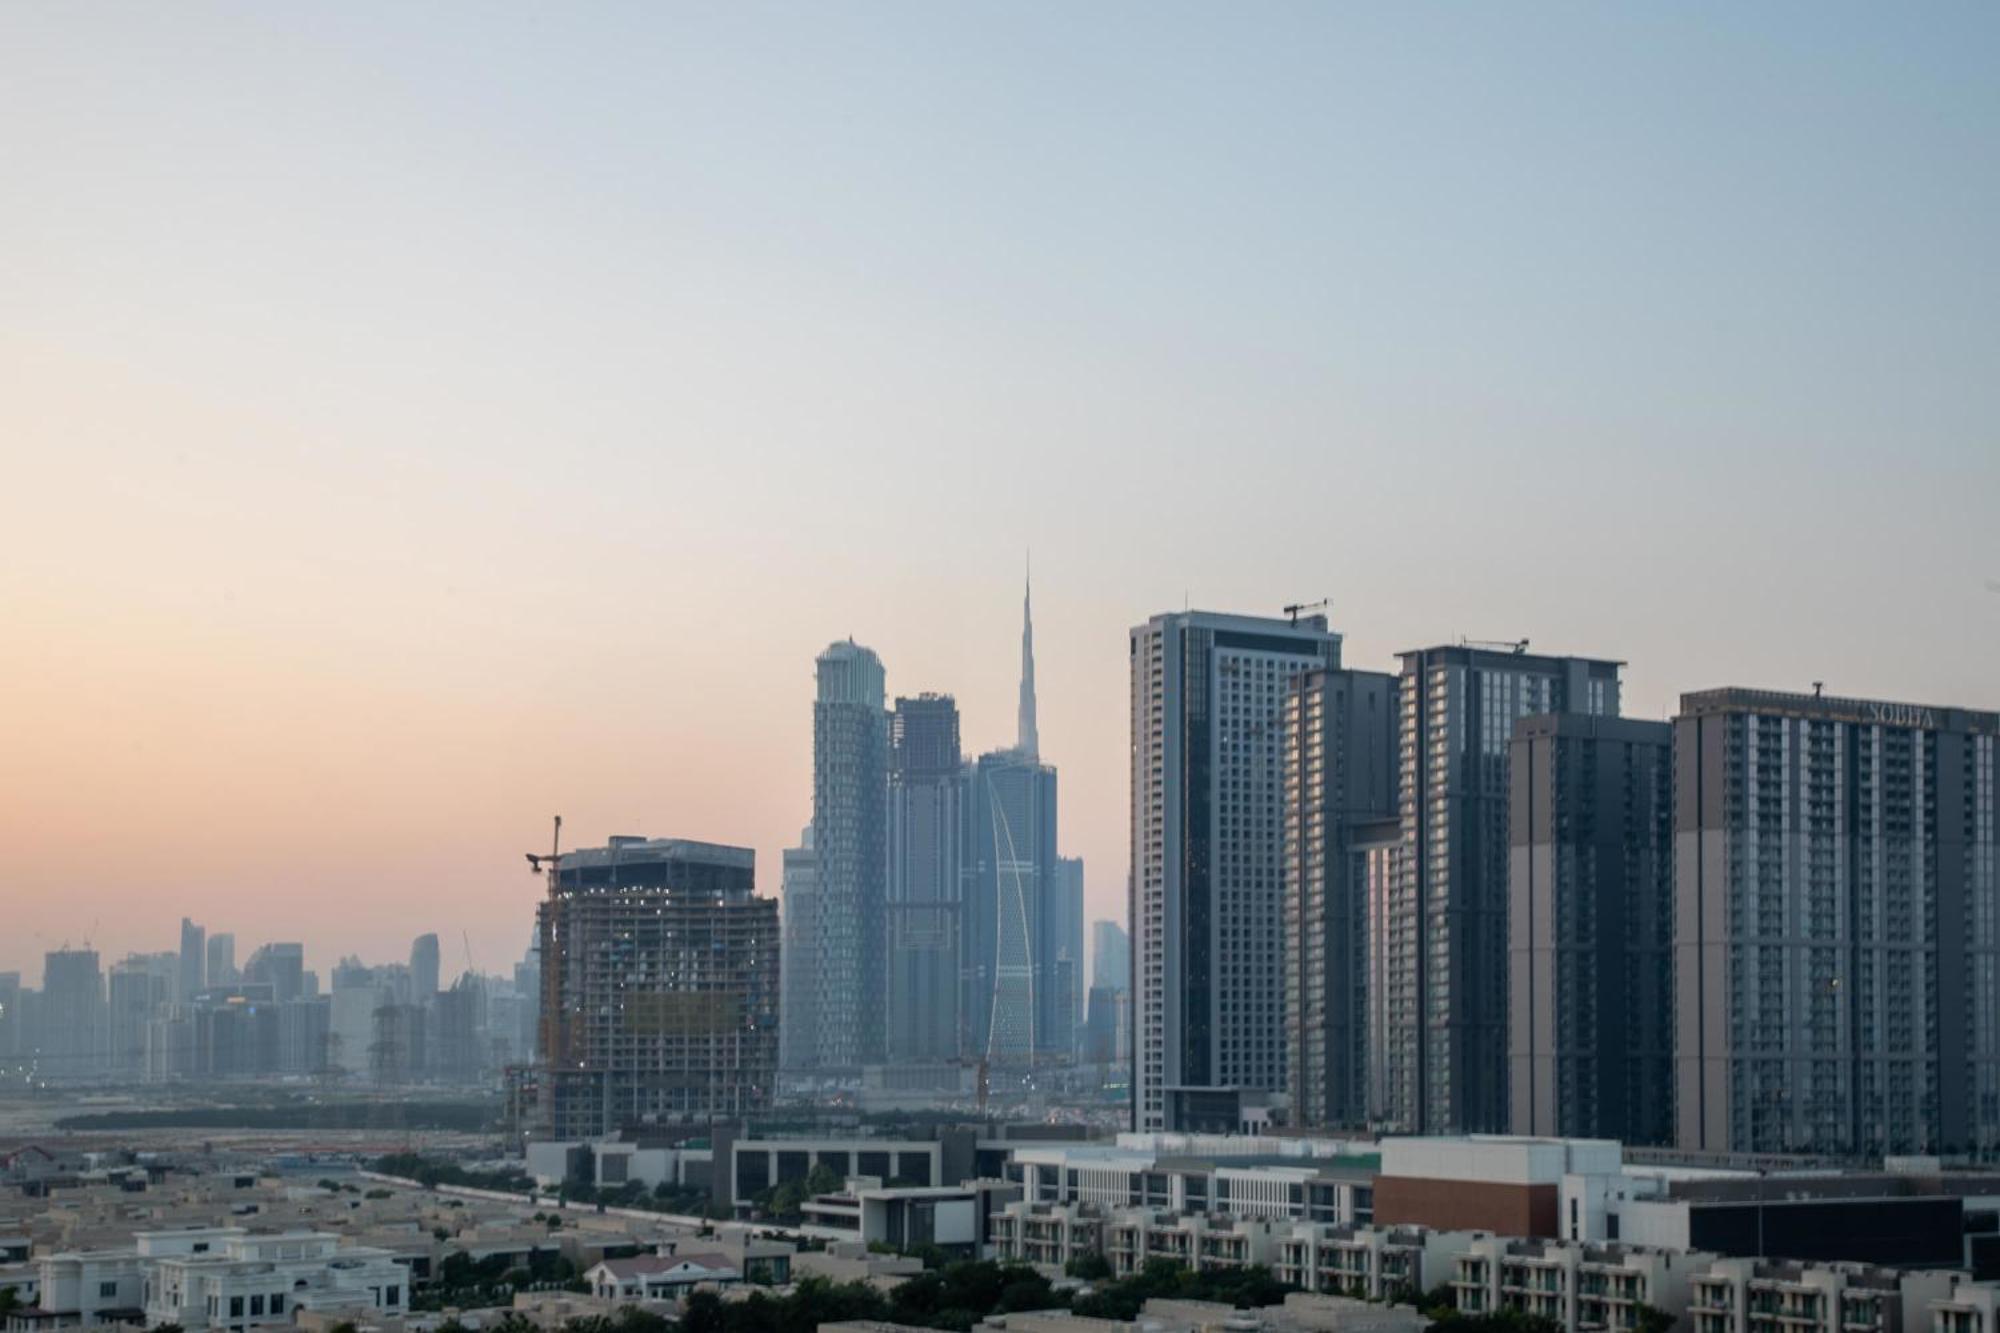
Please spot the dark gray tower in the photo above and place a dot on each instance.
(1443, 990)
(1589, 921)
(1340, 775)
(925, 872)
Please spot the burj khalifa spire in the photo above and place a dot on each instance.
(1027, 741)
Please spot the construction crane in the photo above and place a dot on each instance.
(1293, 610)
(552, 969)
(553, 859)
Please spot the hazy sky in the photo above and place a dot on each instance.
(420, 419)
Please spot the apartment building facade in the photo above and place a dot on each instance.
(1837, 925)
(1207, 884)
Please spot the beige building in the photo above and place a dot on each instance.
(1047, 1235)
(1577, 1284)
(1134, 1237)
(1972, 1307)
(1367, 1263)
(1765, 1296)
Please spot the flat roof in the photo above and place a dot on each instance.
(637, 851)
(1836, 708)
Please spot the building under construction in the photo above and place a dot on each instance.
(659, 988)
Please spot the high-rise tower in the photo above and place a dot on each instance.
(925, 872)
(1836, 925)
(798, 1029)
(1441, 1054)
(662, 987)
(194, 959)
(424, 968)
(1010, 864)
(221, 959)
(73, 1014)
(1589, 924)
(850, 808)
(1207, 910)
(1340, 781)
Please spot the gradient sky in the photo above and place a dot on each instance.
(420, 419)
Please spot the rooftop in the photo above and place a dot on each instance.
(1834, 708)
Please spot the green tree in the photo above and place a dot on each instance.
(1088, 1267)
(1651, 1319)
(1440, 1302)
(704, 1313)
(822, 1179)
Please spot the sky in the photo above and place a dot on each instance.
(418, 421)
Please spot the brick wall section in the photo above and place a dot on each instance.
(1468, 1205)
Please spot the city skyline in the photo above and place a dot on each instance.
(429, 454)
(496, 946)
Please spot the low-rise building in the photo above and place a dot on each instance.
(1134, 1237)
(659, 1277)
(1972, 1307)
(756, 1165)
(1508, 1185)
(251, 1280)
(903, 1217)
(213, 1277)
(1762, 1296)
(1306, 1312)
(1577, 1285)
(1367, 1263)
(1047, 1235)
(1247, 1176)
(85, 1288)
(853, 1261)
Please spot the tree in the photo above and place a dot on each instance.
(822, 1179)
(1440, 1302)
(1089, 1267)
(703, 1313)
(1651, 1319)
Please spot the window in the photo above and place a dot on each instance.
(393, 1296)
(278, 1303)
(107, 1291)
(256, 1306)
(235, 1307)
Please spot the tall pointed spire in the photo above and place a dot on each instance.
(1027, 741)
